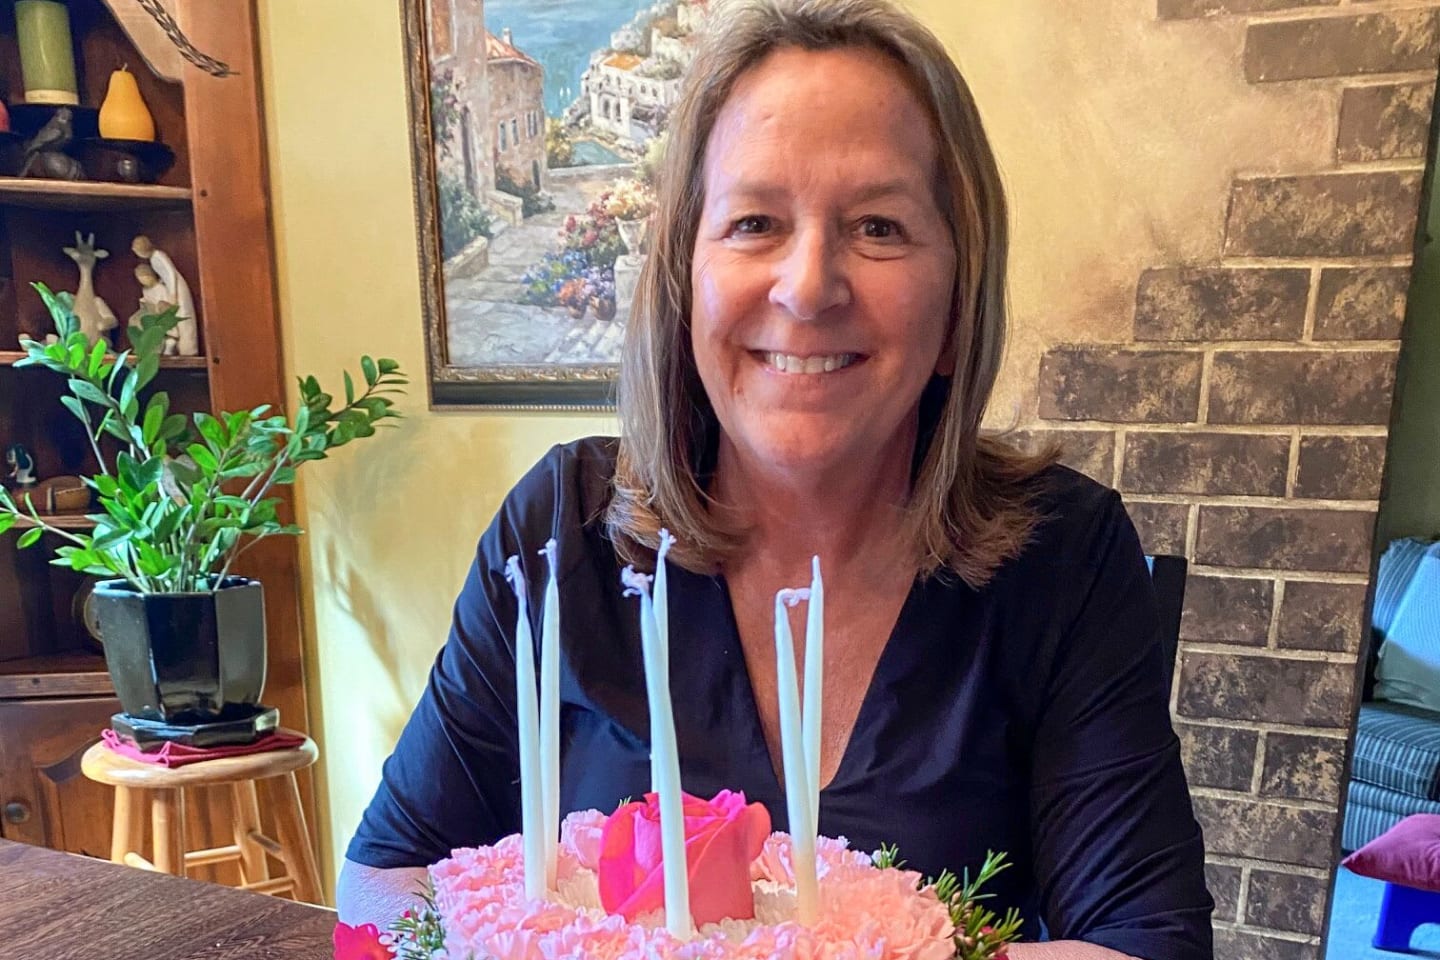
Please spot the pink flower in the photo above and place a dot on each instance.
(722, 836)
(580, 833)
(359, 943)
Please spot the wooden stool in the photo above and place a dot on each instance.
(164, 788)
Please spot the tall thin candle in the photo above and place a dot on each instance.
(661, 594)
(550, 717)
(797, 787)
(531, 808)
(814, 685)
(665, 763)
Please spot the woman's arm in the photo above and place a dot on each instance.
(375, 895)
(1118, 856)
(1063, 950)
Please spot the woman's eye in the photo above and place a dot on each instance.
(752, 224)
(879, 228)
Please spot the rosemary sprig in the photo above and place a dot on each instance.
(979, 933)
(418, 934)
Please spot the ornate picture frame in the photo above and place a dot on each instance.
(533, 163)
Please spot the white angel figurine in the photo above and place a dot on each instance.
(184, 338)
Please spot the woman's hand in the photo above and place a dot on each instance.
(373, 895)
(1063, 950)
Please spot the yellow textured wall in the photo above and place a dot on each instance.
(1117, 135)
(391, 523)
(1104, 120)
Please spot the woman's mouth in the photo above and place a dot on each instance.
(815, 363)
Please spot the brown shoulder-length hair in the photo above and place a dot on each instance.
(970, 505)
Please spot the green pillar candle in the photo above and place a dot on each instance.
(47, 57)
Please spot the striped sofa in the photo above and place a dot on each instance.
(1395, 769)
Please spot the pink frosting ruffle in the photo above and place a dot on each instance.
(866, 913)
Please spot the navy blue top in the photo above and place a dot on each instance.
(1029, 716)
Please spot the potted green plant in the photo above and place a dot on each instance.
(180, 499)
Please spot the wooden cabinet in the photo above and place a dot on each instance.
(209, 212)
(44, 799)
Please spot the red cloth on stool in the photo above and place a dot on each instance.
(178, 754)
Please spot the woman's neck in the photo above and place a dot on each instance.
(851, 516)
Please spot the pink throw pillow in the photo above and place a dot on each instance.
(1408, 854)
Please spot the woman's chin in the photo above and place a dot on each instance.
(810, 459)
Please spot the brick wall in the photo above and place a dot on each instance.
(1244, 419)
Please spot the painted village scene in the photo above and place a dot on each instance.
(548, 117)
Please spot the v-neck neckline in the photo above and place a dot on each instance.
(879, 676)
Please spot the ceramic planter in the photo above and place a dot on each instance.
(189, 658)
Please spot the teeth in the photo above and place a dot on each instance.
(789, 363)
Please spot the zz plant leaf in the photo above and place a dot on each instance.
(181, 498)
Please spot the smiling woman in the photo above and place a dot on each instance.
(822, 275)
(813, 345)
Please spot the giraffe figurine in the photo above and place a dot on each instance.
(94, 314)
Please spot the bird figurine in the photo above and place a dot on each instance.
(45, 152)
(21, 464)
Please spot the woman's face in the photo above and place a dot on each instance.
(823, 267)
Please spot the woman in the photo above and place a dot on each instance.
(812, 349)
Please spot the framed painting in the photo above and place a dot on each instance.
(536, 127)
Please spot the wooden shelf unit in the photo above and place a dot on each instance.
(61, 521)
(85, 195)
(64, 675)
(8, 358)
(209, 212)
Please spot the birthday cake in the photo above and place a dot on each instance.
(608, 903)
(677, 876)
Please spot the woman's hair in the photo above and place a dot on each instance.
(970, 503)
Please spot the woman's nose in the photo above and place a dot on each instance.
(810, 279)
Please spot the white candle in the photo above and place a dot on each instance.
(531, 810)
(661, 605)
(664, 763)
(550, 718)
(797, 789)
(814, 686)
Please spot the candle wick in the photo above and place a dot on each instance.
(636, 583)
(515, 575)
(792, 596)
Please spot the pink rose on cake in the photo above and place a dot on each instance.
(722, 837)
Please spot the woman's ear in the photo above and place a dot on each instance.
(949, 350)
(945, 363)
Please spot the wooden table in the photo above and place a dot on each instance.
(59, 906)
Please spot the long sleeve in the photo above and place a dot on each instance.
(1118, 855)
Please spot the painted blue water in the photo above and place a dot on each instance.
(588, 152)
(561, 35)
